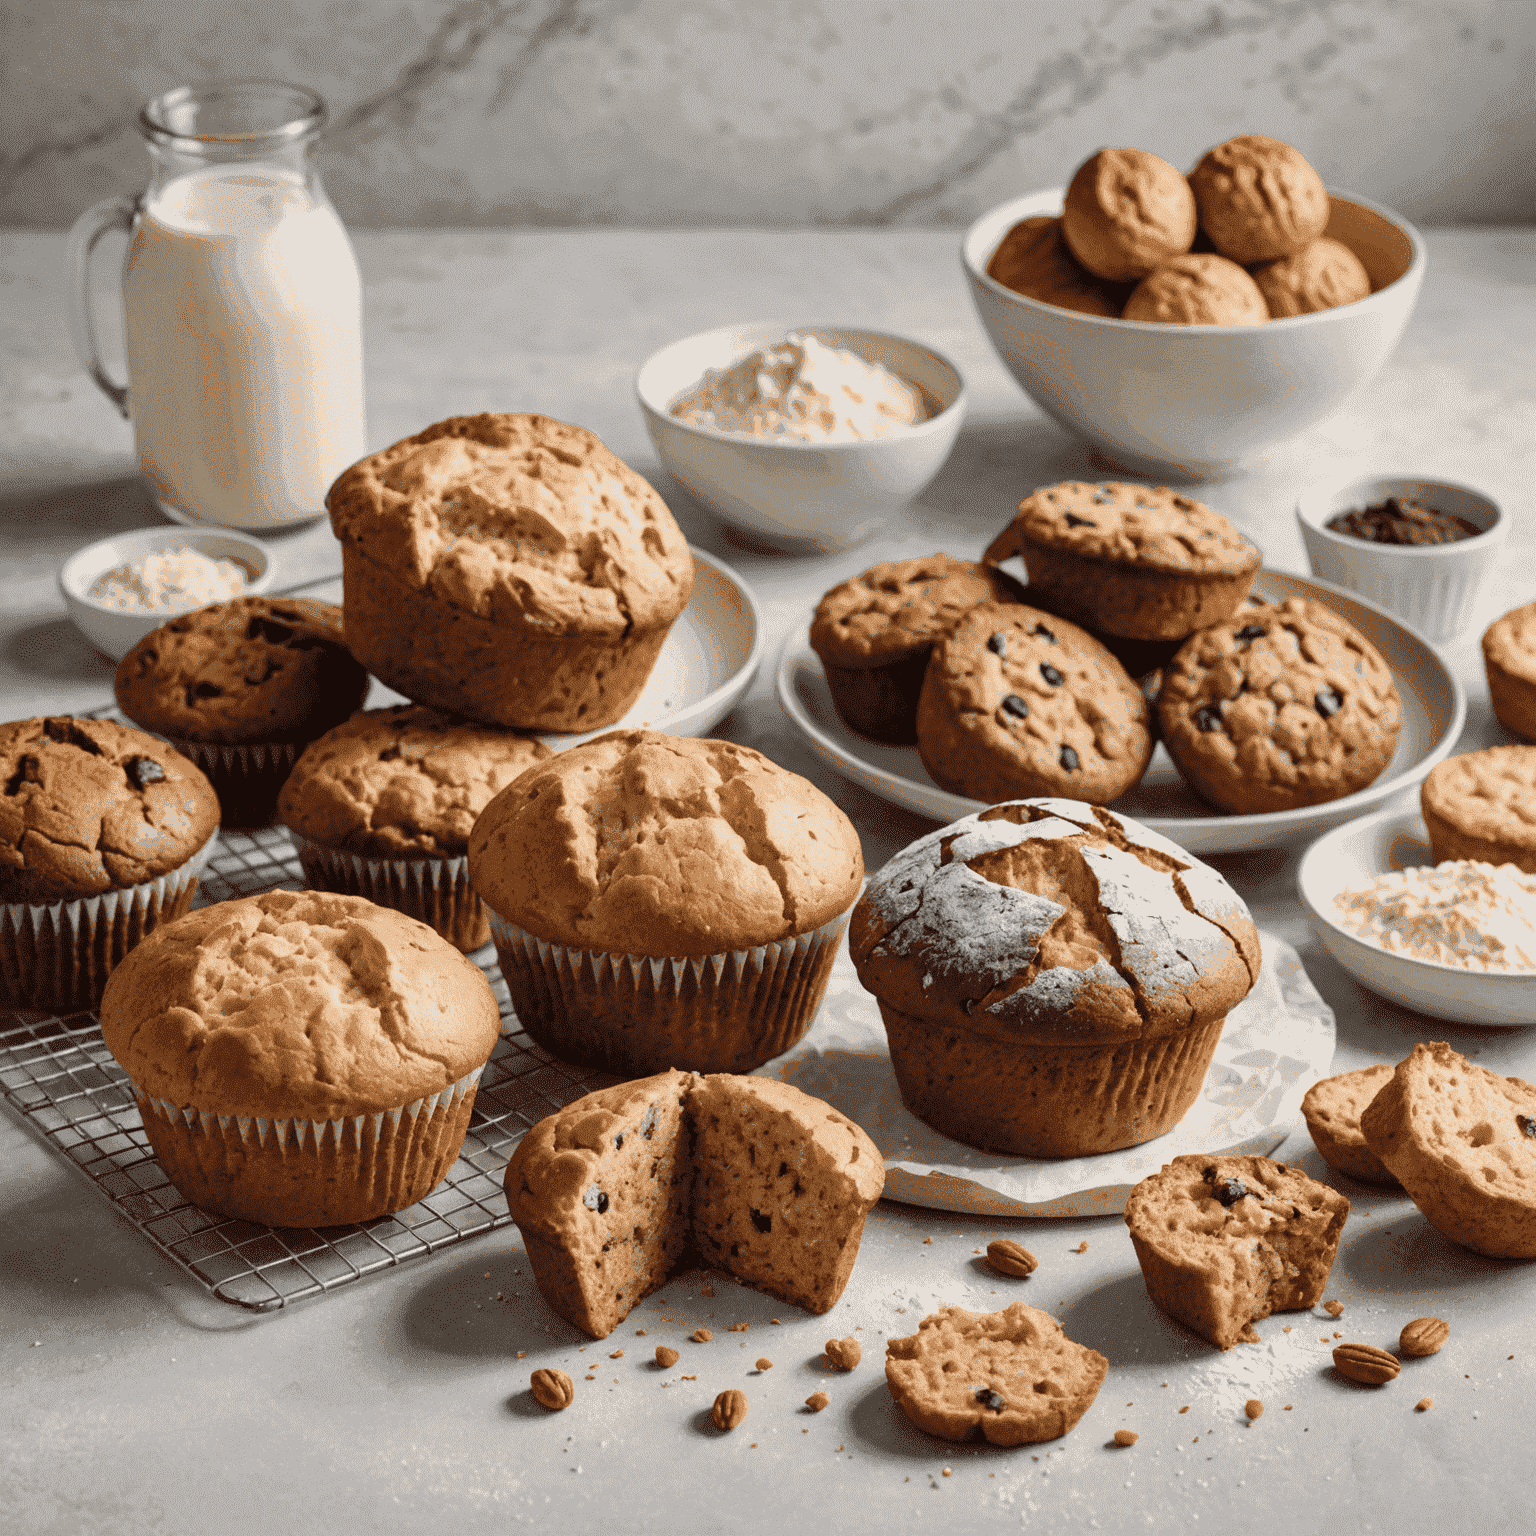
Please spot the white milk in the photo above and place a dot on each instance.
(245, 355)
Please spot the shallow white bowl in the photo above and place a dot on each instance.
(1349, 858)
(117, 630)
(1197, 400)
(1434, 586)
(822, 495)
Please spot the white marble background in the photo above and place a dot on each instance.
(784, 112)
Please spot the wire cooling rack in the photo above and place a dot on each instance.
(59, 1076)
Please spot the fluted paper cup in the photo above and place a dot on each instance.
(247, 779)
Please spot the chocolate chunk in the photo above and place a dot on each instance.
(1402, 520)
(596, 1199)
(990, 1399)
(1051, 675)
(1229, 1191)
(68, 732)
(648, 1125)
(1251, 632)
(26, 773)
(760, 1221)
(1016, 706)
(1526, 1124)
(1208, 717)
(1068, 759)
(1074, 521)
(143, 771)
(1044, 633)
(618, 1141)
(261, 628)
(998, 644)
(203, 690)
(1328, 701)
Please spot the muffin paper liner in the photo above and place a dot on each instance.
(294, 1172)
(638, 1014)
(435, 890)
(58, 955)
(247, 779)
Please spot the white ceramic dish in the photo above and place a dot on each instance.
(115, 630)
(1197, 400)
(818, 495)
(1432, 587)
(1349, 858)
(1434, 708)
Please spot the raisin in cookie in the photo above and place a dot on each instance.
(1482, 805)
(1132, 560)
(1281, 706)
(1011, 1377)
(1018, 702)
(1332, 1110)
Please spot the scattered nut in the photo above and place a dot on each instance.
(1365, 1363)
(730, 1409)
(1126, 1437)
(1424, 1404)
(1010, 1258)
(1334, 1307)
(553, 1389)
(665, 1358)
(817, 1401)
(701, 1335)
(1424, 1336)
(1254, 1408)
(845, 1354)
(765, 1364)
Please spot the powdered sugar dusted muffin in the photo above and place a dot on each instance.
(1053, 978)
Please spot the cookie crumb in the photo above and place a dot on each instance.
(738, 1328)
(1254, 1408)
(639, 1333)
(617, 1354)
(765, 1364)
(1424, 1404)
(522, 1354)
(1185, 1408)
(845, 1354)
(701, 1335)
(817, 1401)
(926, 1242)
(946, 1472)
(1126, 1437)
(774, 1321)
(687, 1378)
(1081, 1248)
(1334, 1307)
(666, 1358)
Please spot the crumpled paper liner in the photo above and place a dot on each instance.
(1277, 1042)
(310, 1173)
(57, 955)
(247, 779)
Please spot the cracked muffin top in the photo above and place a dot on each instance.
(521, 520)
(257, 669)
(1057, 921)
(642, 843)
(88, 806)
(301, 1004)
(402, 782)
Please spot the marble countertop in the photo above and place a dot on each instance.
(130, 1400)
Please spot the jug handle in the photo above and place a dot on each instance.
(110, 214)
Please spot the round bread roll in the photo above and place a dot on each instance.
(1509, 662)
(1322, 275)
(1197, 290)
(1125, 211)
(1033, 259)
(1259, 199)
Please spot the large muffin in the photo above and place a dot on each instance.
(103, 831)
(383, 806)
(1482, 806)
(1053, 978)
(662, 901)
(301, 1059)
(509, 568)
(1259, 199)
(241, 688)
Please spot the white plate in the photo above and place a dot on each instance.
(1349, 858)
(1277, 1042)
(1434, 708)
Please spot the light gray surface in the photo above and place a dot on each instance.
(130, 1401)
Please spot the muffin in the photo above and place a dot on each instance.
(1482, 806)
(1018, 702)
(1136, 561)
(1509, 660)
(508, 568)
(382, 807)
(875, 633)
(1332, 1110)
(1126, 211)
(242, 688)
(103, 833)
(1053, 978)
(1259, 199)
(1321, 275)
(1197, 290)
(301, 1059)
(661, 901)
(1034, 260)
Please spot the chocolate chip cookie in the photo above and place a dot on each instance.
(1018, 702)
(1283, 705)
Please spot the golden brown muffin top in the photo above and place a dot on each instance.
(1259, 199)
(1125, 211)
(642, 843)
(1509, 643)
(1197, 289)
(88, 806)
(521, 520)
(253, 670)
(402, 782)
(1055, 921)
(1490, 794)
(304, 1005)
(897, 609)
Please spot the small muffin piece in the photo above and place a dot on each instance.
(1321, 275)
(1018, 702)
(1135, 561)
(875, 633)
(1197, 290)
(509, 568)
(1259, 199)
(1223, 1242)
(1280, 706)
(1509, 659)
(1482, 806)
(1462, 1141)
(1332, 1110)
(759, 1179)
(1033, 259)
(1127, 210)
(1010, 1377)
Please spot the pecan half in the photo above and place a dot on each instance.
(730, 1409)
(1365, 1363)
(1009, 1258)
(844, 1353)
(1424, 1336)
(553, 1389)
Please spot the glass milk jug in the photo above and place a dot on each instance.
(242, 307)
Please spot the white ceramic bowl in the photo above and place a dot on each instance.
(822, 495)
(117, 630)
(1432, 587)
(1349, 858)
(1197, 400)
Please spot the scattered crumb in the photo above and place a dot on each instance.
(774, 1321)
(1126, 1436)
(617, 1354)
(666, 1358)
(816, 1402)
(926, 1241)
(639, 1333)
(1254, 1408)
(1285, 1330)
(946, 1472)
(1334, 1307)
(687, 1378)
(1424, 1404)
(738, 1327)
(1185, 1408)
(1287, 1407)
(765, 1364)
(1081, 1248)
(701, 1335)
(522, 1354)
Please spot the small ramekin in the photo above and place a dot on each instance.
(1433, 587)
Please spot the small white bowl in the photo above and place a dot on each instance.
(1433, 587)
(823, 495)
(1349, 858)
(117, 630)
